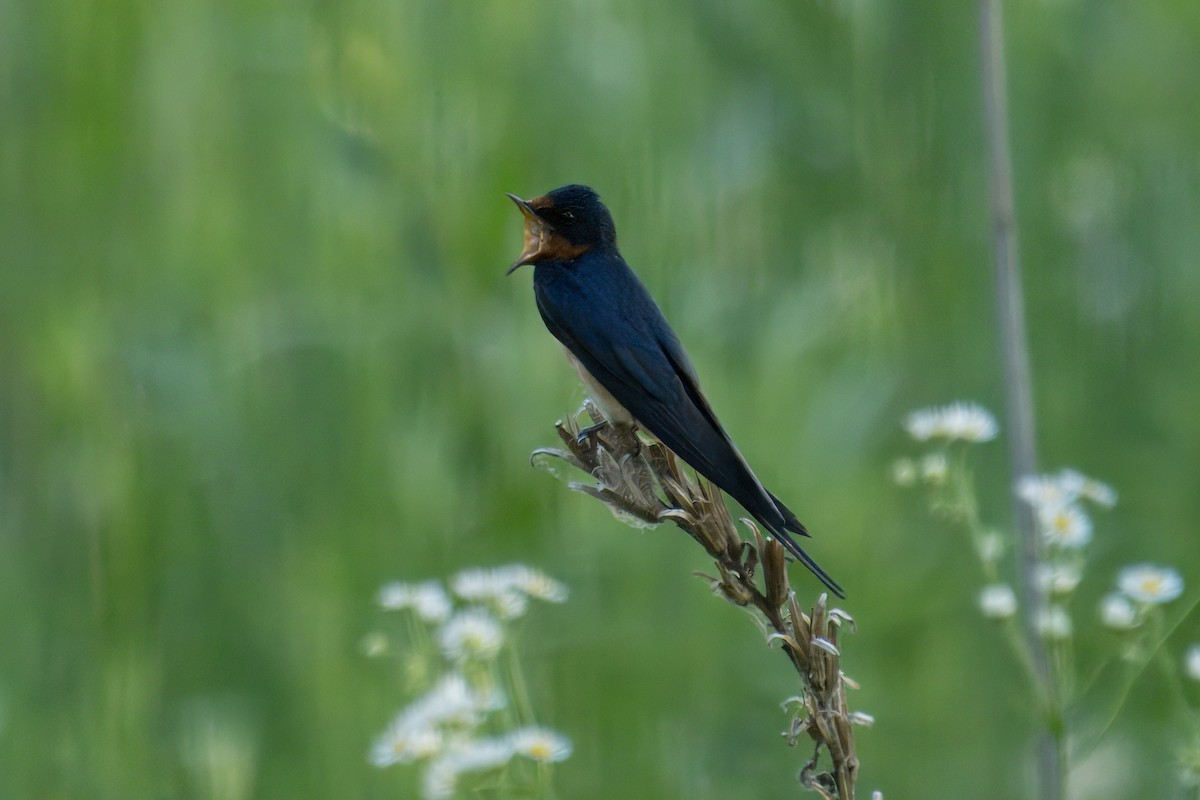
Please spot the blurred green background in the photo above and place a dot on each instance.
(258, 356)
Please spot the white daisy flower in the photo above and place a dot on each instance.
(453, 701)
(395, 596)
(1099, 493)
(428, 599)
(1043, 492)
(1066, 527)
(1058, 579)
(934, 468)
(477, 584)
(969, 422)
(1117, 612)
(1080, 485)
(406, 739)
(1147, 583)
(539, 585)
(1070, 480)
(540, 744)
(471, 634)
(493, 587)
(416, 732)
(922, 424)
(1047, 492)
(478, 755)
(904, 472)
(431, 602)
(463, 755)
(439, 781)
(1054, 623)
(1191, 662)
(998, 601)
(991, 547)
(510, 604)
(507, 589)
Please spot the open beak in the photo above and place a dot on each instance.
(536, 234)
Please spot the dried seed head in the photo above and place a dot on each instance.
(775, 573)
(826, 645)
(801, 624)
(735, 593)
(841, 616)
(783, 637)
(643, 483)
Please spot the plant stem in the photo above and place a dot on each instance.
(1158, 638)
(1051, 766)
(520, 691)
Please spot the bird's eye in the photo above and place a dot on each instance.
(568, 216)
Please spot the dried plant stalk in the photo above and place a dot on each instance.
(1018, 384)
(644, 483)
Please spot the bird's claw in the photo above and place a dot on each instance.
(587, 433)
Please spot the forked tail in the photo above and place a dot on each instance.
(790, 545)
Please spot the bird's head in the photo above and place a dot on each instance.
(563, 225)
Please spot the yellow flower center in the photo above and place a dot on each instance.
(1152, 585)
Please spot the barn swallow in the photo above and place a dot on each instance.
(628, 357)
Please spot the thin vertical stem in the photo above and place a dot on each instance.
(1018, 383)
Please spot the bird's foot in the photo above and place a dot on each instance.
(587, 433)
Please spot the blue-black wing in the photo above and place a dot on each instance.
(613, 327)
